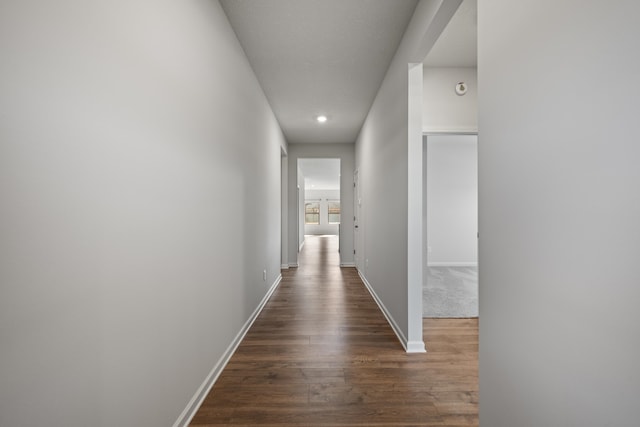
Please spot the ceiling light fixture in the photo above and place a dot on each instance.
(321, 119)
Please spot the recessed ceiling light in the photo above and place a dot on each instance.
(321, 119)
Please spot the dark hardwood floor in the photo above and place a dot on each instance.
(322, 354)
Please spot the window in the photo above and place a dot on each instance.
(334, 212)
(312, 213)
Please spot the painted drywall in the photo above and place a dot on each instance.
(451, 200)
(284, 217)
(559, 213)
(442, 109)
(323, 197)
(388, 152)
(346, 154)
(135, 148)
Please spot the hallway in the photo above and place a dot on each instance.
(322, 353)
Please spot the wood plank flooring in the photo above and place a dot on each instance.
(322, 354)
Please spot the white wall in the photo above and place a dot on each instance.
(135, 145)
(284, 217)
(559, 213)
(346, 154)
(451, 199)
(385, 159)
(443, 110)
(323, 196)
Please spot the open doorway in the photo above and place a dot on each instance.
(319, 201)
(450, 170)
(450, 210)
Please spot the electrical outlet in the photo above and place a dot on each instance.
(264, 275)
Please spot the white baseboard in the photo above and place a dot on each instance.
(293, 265)
(416, 347)
(387, 315)
(194, 404)
(284, 266)
(347, 264)
(452, 264)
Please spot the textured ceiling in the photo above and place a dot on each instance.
(316, 57)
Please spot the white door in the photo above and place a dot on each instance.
(357, 223)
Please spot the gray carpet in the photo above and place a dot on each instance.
(450, 292)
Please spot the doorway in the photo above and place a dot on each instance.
(450, 219)
(319, 200)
